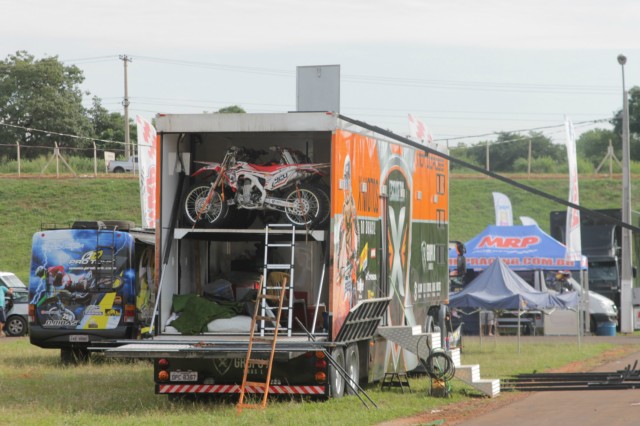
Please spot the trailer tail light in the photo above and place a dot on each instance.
(320, 355)
(321, 364)
(163, 376)
(129, 313)
(321, 377)
(32, 313)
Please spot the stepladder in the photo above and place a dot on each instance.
(276, 287)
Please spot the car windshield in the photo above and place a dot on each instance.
(12, 281)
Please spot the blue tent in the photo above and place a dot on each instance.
(498, 287)
(522, 248)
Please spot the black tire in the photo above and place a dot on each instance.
(336, 381)
(16, 326)
(352, 365)
(195, 212)
(430, 325)
(325, 219)
(118, 170)
(311, 206)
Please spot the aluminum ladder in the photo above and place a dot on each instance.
(261, 333)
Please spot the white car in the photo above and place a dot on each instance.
(17, 316)
(601, 308)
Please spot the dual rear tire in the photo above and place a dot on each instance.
(349, 360)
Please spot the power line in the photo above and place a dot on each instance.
(49, 132)
(522, 130)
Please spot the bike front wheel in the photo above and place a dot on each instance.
(204, 207)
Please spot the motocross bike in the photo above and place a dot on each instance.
(239, 188)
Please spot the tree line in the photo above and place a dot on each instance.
(45, 94)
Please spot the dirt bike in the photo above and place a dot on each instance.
(239, 189)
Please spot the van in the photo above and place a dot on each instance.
(90, 284)
(17, 316)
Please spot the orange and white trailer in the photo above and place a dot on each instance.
(376, 265)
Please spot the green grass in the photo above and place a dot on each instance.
(28, 203)
(471, 201)
(37, 390)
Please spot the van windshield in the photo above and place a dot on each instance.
(12, 281)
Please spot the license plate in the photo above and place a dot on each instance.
(183, 376)
(78, 338)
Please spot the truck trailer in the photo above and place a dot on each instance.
(368, 266)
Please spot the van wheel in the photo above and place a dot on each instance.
(16, 326)
(336, 381)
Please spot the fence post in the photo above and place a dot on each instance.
(487, 165)
(529, 162)
(18, 145)
(95, 160)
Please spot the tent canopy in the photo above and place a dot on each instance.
(523, 248)
(498, 287)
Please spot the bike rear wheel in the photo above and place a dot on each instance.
(310, 206)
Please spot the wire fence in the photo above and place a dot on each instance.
(57, 160)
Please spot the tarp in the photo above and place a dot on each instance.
(498, 287)
(521, 247)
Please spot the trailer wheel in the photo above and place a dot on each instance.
(352, 362)
(336, 381)
(195, 210)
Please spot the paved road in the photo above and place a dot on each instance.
(567, 408)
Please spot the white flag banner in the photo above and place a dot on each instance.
(574, 239)
(418, 130)
(147, 145)
(526, 220)
(502, 206)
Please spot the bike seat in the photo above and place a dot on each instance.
(266, 168)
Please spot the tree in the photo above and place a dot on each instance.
(509, 147)
(634, 124)
(108, 126)
(40, 94)
(593, 145)
(231, 109)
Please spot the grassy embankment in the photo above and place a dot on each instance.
(28, 203)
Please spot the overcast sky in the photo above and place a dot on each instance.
(465, 67)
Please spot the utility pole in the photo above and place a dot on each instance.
(127, 142)
(626, 309)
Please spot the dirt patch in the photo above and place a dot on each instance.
(456, 413)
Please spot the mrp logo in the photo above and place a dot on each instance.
(508, 242)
